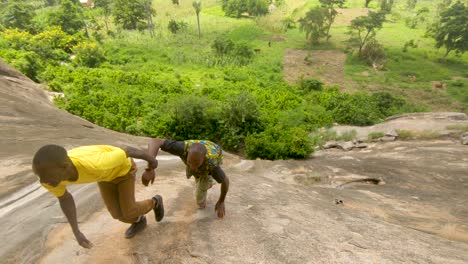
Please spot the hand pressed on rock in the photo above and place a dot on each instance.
(83, 241)
(220, 210)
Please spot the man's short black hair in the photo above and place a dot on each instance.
(50, 154)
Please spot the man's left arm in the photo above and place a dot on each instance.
(219, 175)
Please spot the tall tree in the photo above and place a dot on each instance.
(18, 15)
(69, 17)
(331, 13)
(197, 6)
(451, 30)
(105, 6)
(364, 28)
(149, 15)
(367, 3)
(314, 24)
(130, 14)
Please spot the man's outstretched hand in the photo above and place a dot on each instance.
(83, 241)
(148, 177)
(219, 209)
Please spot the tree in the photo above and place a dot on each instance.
(175, 2)
(238, 7)
(149, 15)
(69, 17)
(386, 6)
(129, 14)
(331, 13)
(18, 15)
(105, 6)
(451, 30)
(197, 6)
(364, 28)
(411, 4)
(314, 24)
(367, 3)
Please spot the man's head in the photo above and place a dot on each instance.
(196, 156)
(52, 164)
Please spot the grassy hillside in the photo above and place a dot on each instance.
(175, 85)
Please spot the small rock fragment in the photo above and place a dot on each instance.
(346, 146)
(330, 144)
(361, 145)
(391, 133)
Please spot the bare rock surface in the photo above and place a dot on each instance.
(416, 122)
(277, 211)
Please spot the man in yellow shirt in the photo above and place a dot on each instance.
(114, 171)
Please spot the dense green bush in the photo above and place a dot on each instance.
(240, 116)
(236, 8)
(279, 143)
(89, 54)
(238, 53)
(222, 46)
(175, 26)
(308, 85)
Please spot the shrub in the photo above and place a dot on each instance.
(240, 116)
(243, 52)
(308, 85)
(348, 135)
(373, 52)
(175, 26)
(375, 135)
(192, 117)
(278, 143)
(89, 54)
(222, 46)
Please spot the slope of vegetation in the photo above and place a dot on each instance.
(152, 70)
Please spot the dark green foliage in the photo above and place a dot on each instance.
(69, 17)
(364, 28)
(89, 54)
(239, 53)
(308, 85)
(451, 29)
(314, 24)
(411, 4)
(222, 46)
(129, 14)
(192, 117)
(278, 143)
(18, 15)
(386, 6)
(373, 52)
(175, 26)
(330, 13)
(240, 116)
(236, 8)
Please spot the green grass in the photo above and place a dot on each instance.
(461, 128)
(375, 135)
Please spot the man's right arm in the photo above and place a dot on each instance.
(154, 146)
(69, 210)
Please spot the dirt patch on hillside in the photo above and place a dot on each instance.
(345, 16)
(324, 65)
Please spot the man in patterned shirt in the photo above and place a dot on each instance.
(203, 160)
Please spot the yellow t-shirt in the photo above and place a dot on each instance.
(95, 164)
